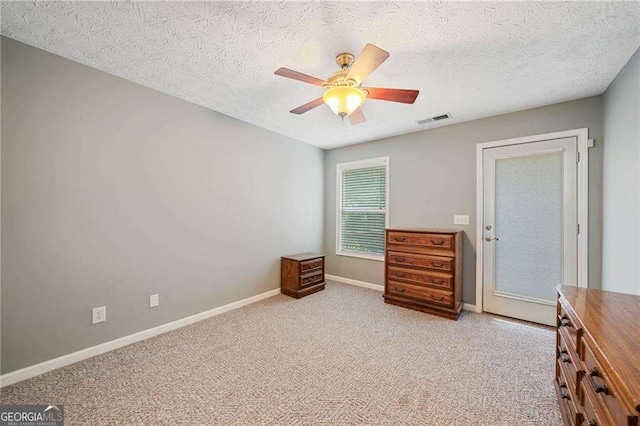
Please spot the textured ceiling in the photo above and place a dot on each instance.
(472, 60)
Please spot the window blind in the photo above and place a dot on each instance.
(363, 209)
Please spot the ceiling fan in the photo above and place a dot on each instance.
(344, 93)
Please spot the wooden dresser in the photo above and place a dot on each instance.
(423, 270)
(598, 357)
(302, 274)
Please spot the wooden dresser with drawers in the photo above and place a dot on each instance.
(598, 357)
(302, 274)
(423, 270)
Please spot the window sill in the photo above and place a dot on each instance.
(379, 258)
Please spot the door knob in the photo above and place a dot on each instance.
(492, 238)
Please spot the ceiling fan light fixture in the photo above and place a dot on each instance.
(344, 100)
(344, 93)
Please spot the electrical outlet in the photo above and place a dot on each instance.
(460, 220)
(99, 315)
(154, 300)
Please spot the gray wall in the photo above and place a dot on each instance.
(621, 181)
(433, 176)
(112, 191)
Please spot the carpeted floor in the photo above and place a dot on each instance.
(340, 356)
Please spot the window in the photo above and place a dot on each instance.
(363, 208)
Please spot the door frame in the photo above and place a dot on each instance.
(584, 143)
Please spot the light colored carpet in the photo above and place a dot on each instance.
(340, 356)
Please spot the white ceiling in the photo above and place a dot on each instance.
(472, 60)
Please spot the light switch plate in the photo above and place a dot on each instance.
(460, 219)
(154, 300)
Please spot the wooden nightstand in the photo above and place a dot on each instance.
(302, 274)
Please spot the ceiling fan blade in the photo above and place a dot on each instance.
(286, 72)
(393, 95)
(370, 58)
(357, 117)
(306, 107)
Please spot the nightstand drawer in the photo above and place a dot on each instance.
(310, 265)
(311, 278)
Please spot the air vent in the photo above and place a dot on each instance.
(436, 118)
(441, 117)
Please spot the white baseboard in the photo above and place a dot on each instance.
(466, 306)
(46, 366)
(471, 308)
(354, 282)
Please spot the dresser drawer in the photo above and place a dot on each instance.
(567, 321)
(598, 382)
(568, 400)
(569, 360)
(421, 260)
(439, 297)
(593, 414)
(310, 265)
(415, 276)
(311, 278)
(420, 240)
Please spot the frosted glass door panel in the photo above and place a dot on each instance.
(529, 224)
(530, 228)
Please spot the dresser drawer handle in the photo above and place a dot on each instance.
(565, 395)
(399, 274)
(563, 351)
(441, 298)
(565, 322)
(400, 290)
(437, 242)
(399, 239)
(602, 389)
(399, 259)
(438, 265)
(592, 422)
(565, 359)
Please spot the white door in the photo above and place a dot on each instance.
(529, 227)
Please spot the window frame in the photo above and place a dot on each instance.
(340, 167)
